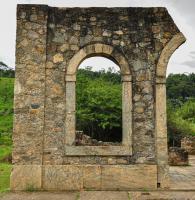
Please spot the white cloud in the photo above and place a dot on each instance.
(99, 63)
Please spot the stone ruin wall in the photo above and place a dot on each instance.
(188, 143)
(47, 40)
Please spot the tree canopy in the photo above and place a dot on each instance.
(99, 104)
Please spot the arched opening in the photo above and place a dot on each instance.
(165, 176)
(118, 58)
(98, 102)
(180, 99)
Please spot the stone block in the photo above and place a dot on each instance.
(162, 151)
(26, 177)
(163, 177)
(62, 177)
(98, 150)
(92, 177)
(125, 177)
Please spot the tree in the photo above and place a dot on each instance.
(6, 71)
(180, 86)
(99, 111)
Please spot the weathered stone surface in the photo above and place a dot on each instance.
(92, 160)
(163, 176)
(188, 143)
(51, 44)
(30, 85)
(58, 58)
(26, 177)
(92, 177)
(129, 176)
(178, 156)
(183, 178)
(98, 150)
(58, 177)
(76, 177)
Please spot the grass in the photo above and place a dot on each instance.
(5, 170)
(31, 188)
(129, 196)
(78, 196)
(5, 152)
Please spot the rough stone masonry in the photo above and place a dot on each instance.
(51, 43)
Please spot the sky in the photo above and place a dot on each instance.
(182, 12)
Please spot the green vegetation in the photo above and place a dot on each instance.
(180, 121)
(180, 87)
(99, 105)
(99, 101)
(5, 152)
(31, 188)
(6, 71)
(180, 107)
(6, 121)
(6, 110)
(5, 170)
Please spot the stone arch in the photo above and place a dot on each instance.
(176, 41)
(160, 109)
(70, 80)
(97, 49)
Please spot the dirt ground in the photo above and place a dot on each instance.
(101, 195)
(183, 177)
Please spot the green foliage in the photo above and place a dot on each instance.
(180, 86)
(6, 110)
(9, 73)
(5, 152)
(5, 171)
(6, 71)
(180, 107)
(78, 196)
(99, 112)
(180, 121)
(3, 64)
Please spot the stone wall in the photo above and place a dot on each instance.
(140, 34)
(188, 143)
(29, 91)
(51, 43)
(178, 156)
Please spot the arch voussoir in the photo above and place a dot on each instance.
(97, 49)
(168, 50)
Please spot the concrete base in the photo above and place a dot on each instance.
(87, 177)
